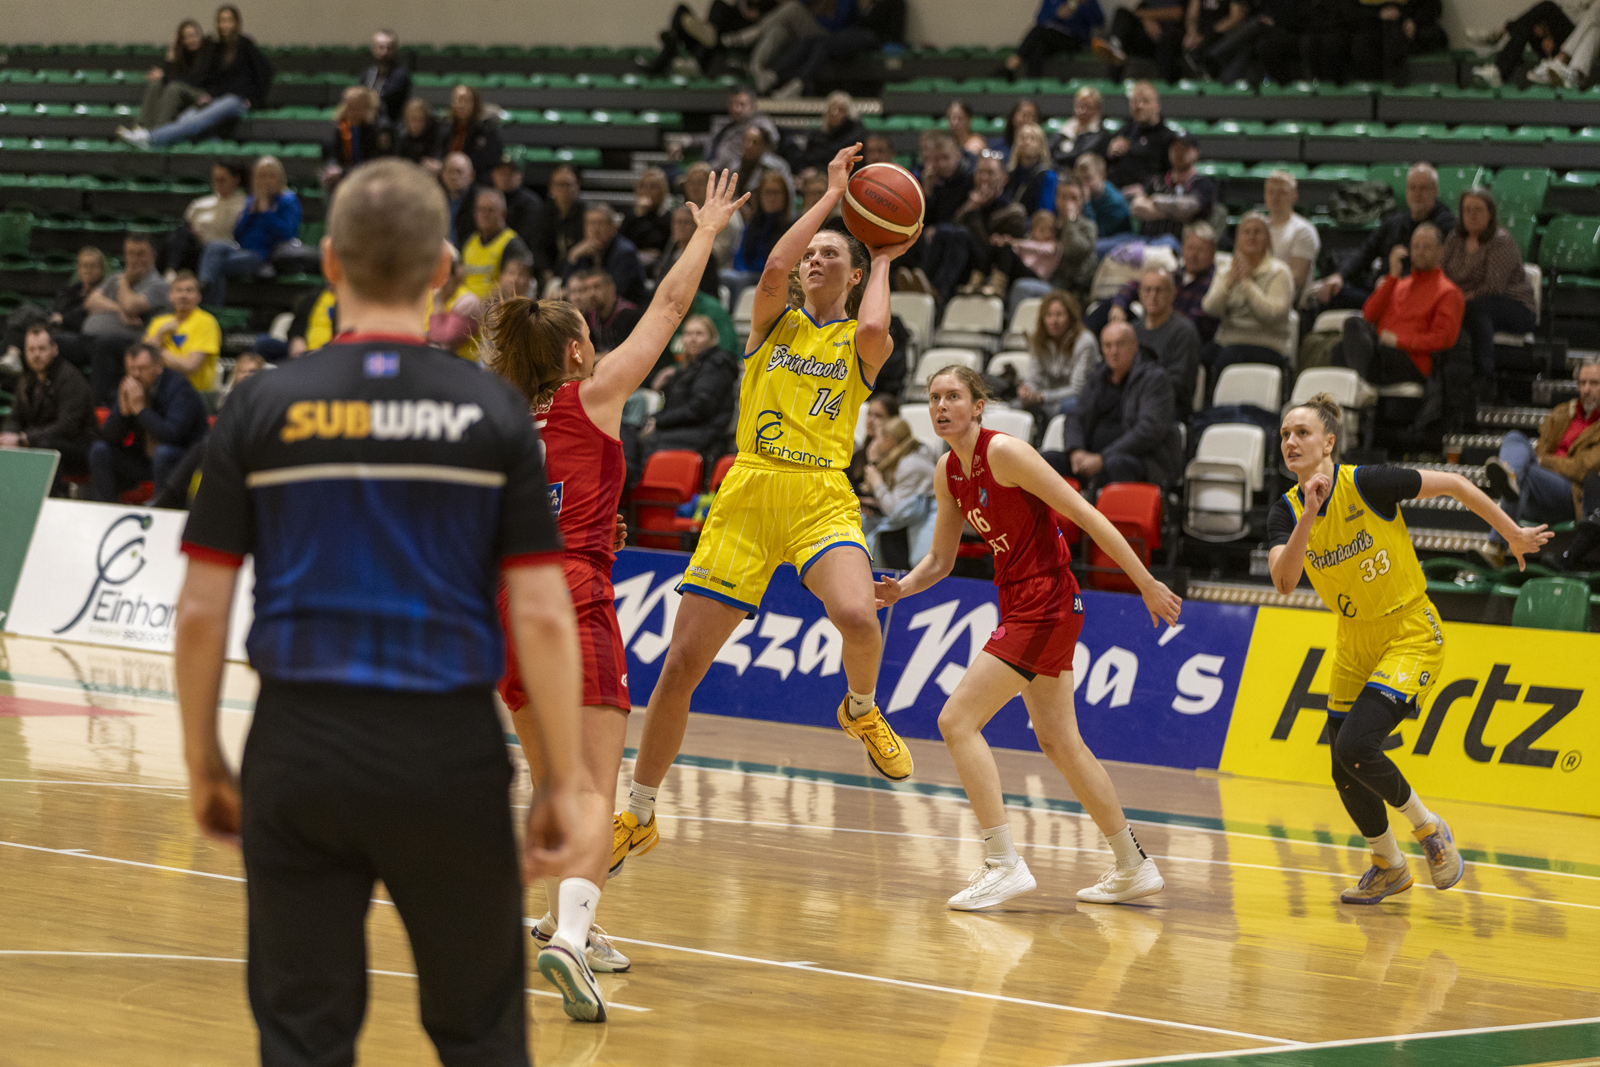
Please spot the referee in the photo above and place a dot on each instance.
(383, 488)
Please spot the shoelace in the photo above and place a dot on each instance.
(983, 874)
(882, 737)
(1433, 845)
(599, 941)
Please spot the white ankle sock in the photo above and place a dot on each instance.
(642, 802)
(1413, 810)
(1126, 846)
(1388, 848)
(552, 897)
(857, 704)
(999, 847)
(579, 898)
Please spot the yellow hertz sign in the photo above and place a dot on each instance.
(1513, 719)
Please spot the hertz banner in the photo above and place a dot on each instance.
(1514, 718)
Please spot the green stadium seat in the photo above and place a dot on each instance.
(1394, 174)
(1571, 245)
(1521, 226)
(1552, 604)
(16, 228)
(1338, 172)
(1521, 190)
(1453, 181)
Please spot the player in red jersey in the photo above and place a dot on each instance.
(544, 349)
(1011, 497)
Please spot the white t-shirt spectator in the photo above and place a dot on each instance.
(1296, 238)
(211, 217)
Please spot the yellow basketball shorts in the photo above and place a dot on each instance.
(1400, 654)
(763, 516)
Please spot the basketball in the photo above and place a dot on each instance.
(882, 204)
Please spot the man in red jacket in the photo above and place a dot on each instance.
(1410, 331)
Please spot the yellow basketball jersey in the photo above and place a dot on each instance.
(1361, 564)
(803, 388)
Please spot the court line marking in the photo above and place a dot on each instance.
(230, 959)
(1341, 1043)
(110, 785)
(1279, 1043)
(931, 790)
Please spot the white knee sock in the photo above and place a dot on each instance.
(1126, 846)
(1414, 810)
(1388, 848)
(999, 847)
(552, 897)
(857, 704)
(579, 899)
(642, 802)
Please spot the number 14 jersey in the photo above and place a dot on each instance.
(802, 391)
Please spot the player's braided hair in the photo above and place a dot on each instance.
(525, 342)
(1332, 416)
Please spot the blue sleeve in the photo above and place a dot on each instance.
(1047, 12)
(286, 218)
(1047, 191)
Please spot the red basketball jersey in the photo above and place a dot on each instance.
(585, 470)
(1020, 528)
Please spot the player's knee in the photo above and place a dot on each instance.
(856, 622)
(951, 723)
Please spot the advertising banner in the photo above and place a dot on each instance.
(1144, 695)
(108, 574)
(1514, 717)
(25, 477)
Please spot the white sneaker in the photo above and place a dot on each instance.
(137, 136)
(1489, 74)
(1118, 886)
(565, 968)
(602, 955)
(1571, 78)
(992, 884)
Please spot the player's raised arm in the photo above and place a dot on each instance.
(1520, 540)
(772, 291)
(1016, 463)
(936, 565)
(873, 342)
(624, 369)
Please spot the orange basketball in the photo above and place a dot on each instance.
(882, 204)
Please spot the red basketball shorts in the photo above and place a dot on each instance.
(1040, 619)
(605, 661)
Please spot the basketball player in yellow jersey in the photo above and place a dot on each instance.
(1345, 523)
(787, 499)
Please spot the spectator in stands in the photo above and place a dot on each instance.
(1062, 27)
(1327, 39)
(1410, 331)
(1139, 150)
(1155, 29)
(355, 138)
(155, 417)
(1021, 114)
(683, 226)
(1123, 427)
(117, 313)
(897, 491)
(963, 248)
(523, 205)
(695, 180)
(759, 159)
(52, 408)
(1253, 300)
(874, 24)
(1170, 337)
(1064, 353)
(1569, 68)
(812, 186)
(314, 324)
(725, 147)
(699, 393)
(207, 218)
(1103, 204)
(1205, 25)
(1075, 236)
(1192, 281)
(1385, 32)
(611, 318)
(388, 77)
(946, 186)
(1169, 201)
(1276, 49)
(767, 218)
(877, 149)
(958, 120)
(649, 226)
(176, 491)
(603, 247)
(702, 37)
(174, 85)
(473, 128)
(68, 310)
(1545, 26)
(791, 22)
(271, 218)
(1352, 283)
(1483, 260)
(236, 77)
(418, 138)
(1294, 239)
(1084, 132)
(516, 278)
(189, 339)
(455, 313)
(65, 316)
(562, 224)
(839, 130)
(484, 255)
(1031, 180)
(1557, 478)
(459, 180)
(882, 405)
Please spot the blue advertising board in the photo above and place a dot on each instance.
(1144, 694)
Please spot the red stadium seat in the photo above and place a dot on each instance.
(720, 471)
(671, 479)
(142, 493)
(1134, 508)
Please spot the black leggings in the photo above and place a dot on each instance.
(1367, 778)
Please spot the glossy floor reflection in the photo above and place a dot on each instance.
(794, 913)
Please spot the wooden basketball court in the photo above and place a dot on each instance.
(794, 914)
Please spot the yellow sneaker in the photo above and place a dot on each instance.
(628, 838)
(887, 751)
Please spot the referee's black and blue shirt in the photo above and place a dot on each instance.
(381, 486)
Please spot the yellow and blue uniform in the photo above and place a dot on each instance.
(787, 498)
(1361, 563)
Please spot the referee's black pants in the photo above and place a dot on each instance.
(346, 786)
